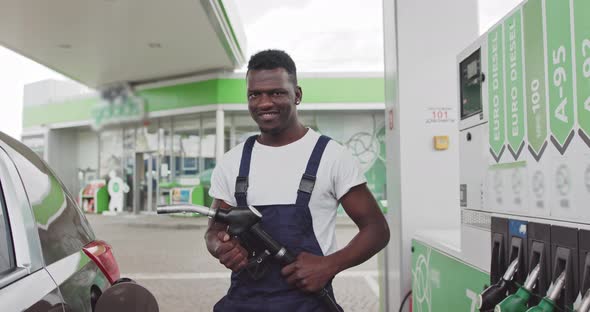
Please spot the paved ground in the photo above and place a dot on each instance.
(168, 256)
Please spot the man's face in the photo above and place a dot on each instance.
(272, 97)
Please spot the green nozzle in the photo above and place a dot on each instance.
(515, 303)
(546, 305)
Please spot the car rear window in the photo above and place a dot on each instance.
(63, 228)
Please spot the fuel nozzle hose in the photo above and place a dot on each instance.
(518, 301)
(492, 295)
(547, 304)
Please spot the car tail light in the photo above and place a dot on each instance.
(101, 253)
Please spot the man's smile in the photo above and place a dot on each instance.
(268, 116)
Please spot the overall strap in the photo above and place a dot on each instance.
(308, 180)
(242, 178)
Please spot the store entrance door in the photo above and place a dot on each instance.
(145, 181)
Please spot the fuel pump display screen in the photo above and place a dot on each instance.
(470, 70)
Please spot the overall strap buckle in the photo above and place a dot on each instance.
(241, 190)
(307, 183)
(241, 185)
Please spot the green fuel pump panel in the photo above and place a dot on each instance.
(441, 282)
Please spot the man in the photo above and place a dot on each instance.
(298, 212)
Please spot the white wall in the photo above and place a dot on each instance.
(423, 184)
(87, 150)
(69, 150)
(62, 156)
(52, 90)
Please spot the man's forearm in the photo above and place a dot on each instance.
(372, 237)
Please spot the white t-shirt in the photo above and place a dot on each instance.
(275, 173)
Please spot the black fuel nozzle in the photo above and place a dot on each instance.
(492, 295)
(239, 219)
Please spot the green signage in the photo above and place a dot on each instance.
(496, 92)
(582, 46)
(440, 282)
(536, 101)
(106, 113)
(514, 83)
(559, 64)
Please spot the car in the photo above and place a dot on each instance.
(50, 258)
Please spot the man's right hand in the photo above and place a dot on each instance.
(230, 253)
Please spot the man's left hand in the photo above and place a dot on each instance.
(309, 272)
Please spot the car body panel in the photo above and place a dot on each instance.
(76, 275)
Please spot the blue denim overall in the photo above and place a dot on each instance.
(291, 225)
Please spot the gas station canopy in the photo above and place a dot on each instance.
(103, 42)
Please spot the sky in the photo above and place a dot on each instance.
(16, 71)
(320, 35)
(315, 36)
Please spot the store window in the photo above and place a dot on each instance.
(129, 140)
(166, 150)
(209, 141)
(208, 149)
(146, 138)
(194, 140)
(128, 150)
(187, 141)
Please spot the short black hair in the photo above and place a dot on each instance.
(272, 59)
